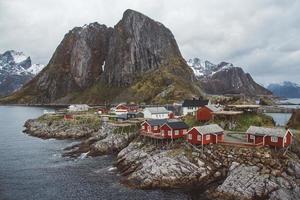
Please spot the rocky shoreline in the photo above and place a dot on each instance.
(220, 172)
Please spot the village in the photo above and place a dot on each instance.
(196, 121)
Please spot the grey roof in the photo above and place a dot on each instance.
(207, 129)
(279, 132)
(157, 110)
(177, 125)
(156, 122)
(194, 103)
(214, 108)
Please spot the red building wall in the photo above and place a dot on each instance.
(288, 139)
(204, 114)
(258, 139)
(212, 139)
(165, 128)
(122, 107)
(273, 144)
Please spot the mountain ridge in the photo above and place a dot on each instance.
(285, 89)
(225, 78)
(15, 70)
(103, 62)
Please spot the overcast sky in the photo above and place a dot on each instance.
(262, 36)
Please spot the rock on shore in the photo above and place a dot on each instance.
(57, 129)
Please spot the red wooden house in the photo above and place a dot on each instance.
(206, 113)
(174, 129)
(207, 134)
(275, 137)
(152, 127)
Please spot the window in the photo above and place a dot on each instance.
(252, 137)
(274, 139)
(176, 132)
(162, 133)
(207, 137)
(190, 136)
(169, 133)
(199, 137)
(155, 128)
(144, 127)
(184, 132)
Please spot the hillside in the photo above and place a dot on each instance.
(225, 78)
(138, 60)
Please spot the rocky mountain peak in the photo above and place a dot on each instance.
(15, 70)
(225, 78)
(98, 58)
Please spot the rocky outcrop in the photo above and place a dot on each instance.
(294, 121)
(247, 182)
(105, 64)
(56, 129)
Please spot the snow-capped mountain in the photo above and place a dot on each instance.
(225, 78)
(15, 70)
(204, 68)
(285, 89)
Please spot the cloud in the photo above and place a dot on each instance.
(261, 36)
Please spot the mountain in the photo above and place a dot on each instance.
(15, 70)
(137, 60)
(225, 78)
(286, 89)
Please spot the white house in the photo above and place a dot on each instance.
(190, 106)
(156, 113)
(78, 107)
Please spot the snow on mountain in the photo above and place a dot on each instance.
(285, 89)
(15, 70)
(204, 68)
(35, 68)
(18, 56)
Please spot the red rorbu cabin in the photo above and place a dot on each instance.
(206, 113)
(275, 137)
(152, 127)
(174, 129)
(207, 134)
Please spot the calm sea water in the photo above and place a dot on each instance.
(32, 168)
(280, 119)
(293, 101)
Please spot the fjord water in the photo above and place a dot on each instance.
(32, 168)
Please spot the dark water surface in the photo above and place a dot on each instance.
(32, 168)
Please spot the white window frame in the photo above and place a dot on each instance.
(252, 137)
(274, 139)
(184, 132)
(207, 137)
(199, 138)
(190, 136)
(169, 132)
(176, 132)
(155, 128)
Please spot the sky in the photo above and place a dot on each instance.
(261, 36)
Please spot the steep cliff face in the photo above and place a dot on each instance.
(96, 64)
(138, 44)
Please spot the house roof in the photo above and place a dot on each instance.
(122, 116)
(214, 108)
(156, 122)
(194, 103)
(157, 110)
(207, 129)
(279, 132)
(177, 125)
